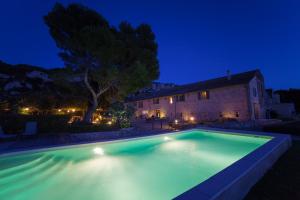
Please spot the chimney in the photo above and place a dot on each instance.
(228, 75)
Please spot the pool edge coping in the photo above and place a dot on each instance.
(225, 184)
(197, 191)
(82, 144)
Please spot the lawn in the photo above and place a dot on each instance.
(282, 181)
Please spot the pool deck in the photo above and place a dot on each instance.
(235, 181)
(232, 183)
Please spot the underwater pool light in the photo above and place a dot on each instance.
(98, 151)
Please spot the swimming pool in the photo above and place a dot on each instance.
(156, 167)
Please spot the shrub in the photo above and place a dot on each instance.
(49, 124)
(121, 114)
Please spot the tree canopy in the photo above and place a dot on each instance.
(112, 60)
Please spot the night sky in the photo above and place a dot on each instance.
(197, 40)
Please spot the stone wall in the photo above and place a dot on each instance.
(227, 102)
(237, 101)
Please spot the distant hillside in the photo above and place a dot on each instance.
(25, 81)
(17, 79)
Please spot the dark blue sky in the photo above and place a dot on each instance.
(197, 40)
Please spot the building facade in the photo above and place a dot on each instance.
(239, 96)
(274, 106)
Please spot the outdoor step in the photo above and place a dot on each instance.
(23, 167)
(32, 171)
(43, 174)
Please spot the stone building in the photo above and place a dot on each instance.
(238, 96)
(274, 105)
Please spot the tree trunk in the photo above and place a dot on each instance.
(88, 117)
(93, 106)
(95, 96)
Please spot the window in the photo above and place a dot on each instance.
(221, 115)
(254, 92)
(203, 95)
(260, 89)
(237, 114)
(180, 98)
(140, 104)
(156, 101)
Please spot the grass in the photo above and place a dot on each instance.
(282, 181)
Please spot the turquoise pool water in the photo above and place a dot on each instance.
(160, 167)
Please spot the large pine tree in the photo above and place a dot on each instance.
(117, 60)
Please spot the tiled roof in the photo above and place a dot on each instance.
(236, 79)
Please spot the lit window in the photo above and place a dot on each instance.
(221, 115)
(171, 100)
(203, 95)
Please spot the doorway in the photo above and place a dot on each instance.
(157, 113)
